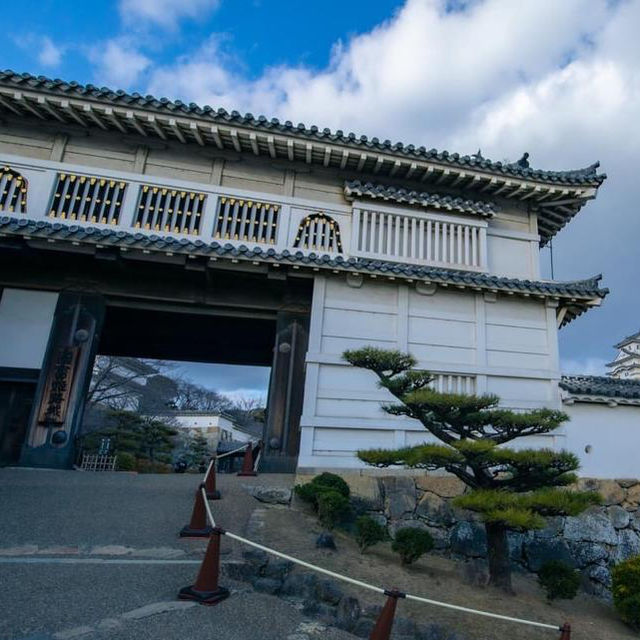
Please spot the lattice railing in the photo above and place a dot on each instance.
(97, 462)
(422, 240)
(454, 383)
(13, 191)
(246, 220)
(319, 232)
(163, 209)
(87, 198)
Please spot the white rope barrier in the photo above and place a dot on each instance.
(207, 507)
(206, 474)
(228, 453)
(371, 587)
(487, 614)
(257, 462)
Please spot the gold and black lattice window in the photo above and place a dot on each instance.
(87, 198)
(246, 220)
(320, 232)
(13, 190)
(173, 210)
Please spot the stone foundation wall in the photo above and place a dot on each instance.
(592, 542)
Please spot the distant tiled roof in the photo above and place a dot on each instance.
(625, 341)
(356, 189)
(602, 386)
(579, 293)
(521, 169)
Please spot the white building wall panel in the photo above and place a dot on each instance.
(25, 323)
(605, 439)
(499, 345)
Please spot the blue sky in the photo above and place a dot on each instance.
(560, 80)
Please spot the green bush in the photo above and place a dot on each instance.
(369, 532)
(323, 483)
(332, 508)
(411, 543)
(126, 462)
(625, 587)
(559, 580)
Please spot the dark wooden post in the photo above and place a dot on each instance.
(64, 381)
(286, 388)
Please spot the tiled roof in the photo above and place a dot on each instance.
(634, 337)
(520, 169)
(602, 386)
(579, 293)
(356, 189)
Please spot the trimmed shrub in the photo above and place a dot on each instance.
(321, 484)
(411, 543)
(559, 580)
(126, 462)
(369, 532)
(332, 508)
(625, 587)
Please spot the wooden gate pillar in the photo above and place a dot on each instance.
(281, 435)
(64, 381)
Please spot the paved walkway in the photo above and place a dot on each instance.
(96, 555)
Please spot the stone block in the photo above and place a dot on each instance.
(256, 558)
(619, 517)
(592, 526)
(468, 539)
(302, 584)
(553, 528)
(348, 613)
(600, 573)
(271, 495)
(328, 591)
(277, 569)
(633, 496)
(363, 628)
(626, 483)
(629, 545)
(443, 486)
(586, 553)
(395, 526)
(319, 610)
(367, 488)
(399, 496)
(435, 509)
(238, 570)
(538, 551)
(267, 585)
(611, 492)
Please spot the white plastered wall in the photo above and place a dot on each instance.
(507, 344)
(25, 323)
(605, 438)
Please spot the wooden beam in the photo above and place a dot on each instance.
(7, 105)
(215, 135)
(443, 176)
(411, 170)
(428, 174)
(235, 140)
(271, 145)
(129, 115)
(290, 150)
(507, 185)
(90, 113)
(344, 159)
(43, 102)
(25, 103)
(195, 132)
(253, 141)
(308, 157)
(394, 169)
(378, 164)
(361, 162)
(111, 116)
(490, 185)
(176, 130)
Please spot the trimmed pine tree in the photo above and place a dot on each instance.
(510, 489)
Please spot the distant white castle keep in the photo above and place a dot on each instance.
(626, 365)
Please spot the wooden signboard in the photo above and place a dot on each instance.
(53, 409)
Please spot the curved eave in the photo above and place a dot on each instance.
(69, 103)
(572, 298)
(600, 389)
(354, 189)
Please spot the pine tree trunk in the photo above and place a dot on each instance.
(498, 555)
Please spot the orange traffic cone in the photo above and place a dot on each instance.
(198, 526)
(210, 482)
(566, 631)
(382, 630)
(206, 589)
(247, 463)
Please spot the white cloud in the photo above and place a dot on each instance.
(50, 54)
(558, 79)
(165, 13)
(118, 63)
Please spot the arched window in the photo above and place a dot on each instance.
(320, 232)
(13, 190)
